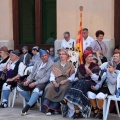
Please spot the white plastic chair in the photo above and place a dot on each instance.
(28, 69)
(15, 95)
(9, 99)
(24, 102)
(104, 65)
(108, 100)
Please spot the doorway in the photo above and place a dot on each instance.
(34, 22)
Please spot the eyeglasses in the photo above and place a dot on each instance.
(62, 54)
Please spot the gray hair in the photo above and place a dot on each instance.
(111, 63)
(68, 33)
(64, 50)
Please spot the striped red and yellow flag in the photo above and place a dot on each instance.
(79, 42)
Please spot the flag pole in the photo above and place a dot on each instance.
(81, 9)
(81, 38)
(79, 41)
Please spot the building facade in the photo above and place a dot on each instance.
(33, 22)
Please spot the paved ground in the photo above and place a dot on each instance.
(14, 114)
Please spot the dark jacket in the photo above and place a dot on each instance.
(27, 58)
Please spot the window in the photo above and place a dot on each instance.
(26, 16)
(49, 21)
(34, 22)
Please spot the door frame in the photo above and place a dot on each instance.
(117, 22)
(38, 26)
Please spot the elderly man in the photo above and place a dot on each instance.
(36, 81)
(87, 40)
(14, 72)
(67, 42)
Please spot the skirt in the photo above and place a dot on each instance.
(51, 105)
(53, 96)
(77, 95)
(56, 96)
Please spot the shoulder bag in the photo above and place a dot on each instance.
(103, 59)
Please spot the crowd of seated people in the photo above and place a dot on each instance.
(36, 81)
(4, 60)
(13, 74)
(63, 89)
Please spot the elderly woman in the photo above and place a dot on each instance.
(4, 60)
(4, 57)
(116, 59)
(99, 46)
(76, 98)
(61, 76)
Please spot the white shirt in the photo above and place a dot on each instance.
(35, 58)
(43, 65)
(71, 78)
(94, 77)
(24, 57)
(87, 42)
(2, 65)
(68, 44)
(21, 68)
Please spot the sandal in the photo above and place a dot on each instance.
(100, 114)
(96, 112)
(64, 102)
(50, 112)
(77, 115)
(64, 110)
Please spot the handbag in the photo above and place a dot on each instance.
(103, 59)
(3, 76)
